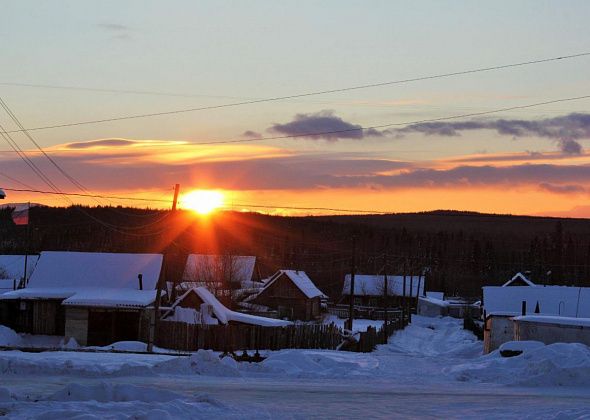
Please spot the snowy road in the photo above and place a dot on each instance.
(433, 369)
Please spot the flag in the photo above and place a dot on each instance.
(20, 217)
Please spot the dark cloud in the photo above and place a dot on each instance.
(131, 168)
(512, 157)
(326, 124)
(570, 147)
(565, 130)
(103, 142)
(563, 189)
(251, 134)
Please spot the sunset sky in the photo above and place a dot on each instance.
(75, 61)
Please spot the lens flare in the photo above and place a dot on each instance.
(203, 201)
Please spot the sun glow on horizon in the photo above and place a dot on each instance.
(203, 201)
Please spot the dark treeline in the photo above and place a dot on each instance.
(459, 252)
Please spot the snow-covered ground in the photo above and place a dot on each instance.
(431, 369)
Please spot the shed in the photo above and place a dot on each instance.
(207, 309)
(293, 294)
(369, 289)
(502, 304)
(552, 329)
(95, 298)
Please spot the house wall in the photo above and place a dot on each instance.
(498, 330)
(77, 325)
(551, 333)
(285, 297)
(46, 317)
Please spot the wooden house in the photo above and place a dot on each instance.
(292, 294)
(95, 298)
(369, 290)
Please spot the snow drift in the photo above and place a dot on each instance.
(559, 364)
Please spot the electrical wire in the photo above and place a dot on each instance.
(308, 94)
(400, 124)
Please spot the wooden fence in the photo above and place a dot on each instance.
(237, 337)
(190, 337)
(368, 341)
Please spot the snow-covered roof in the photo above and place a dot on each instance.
(558, 320)
(436, 295)
(435, 301)
(519, 277)
(299, 279)
(374, 285)
(95, 269)
(13, 266)
(225, 315)
(6, 285)
(553, 300)
(87, 296)
(93, 279)
(212, 268)
(111, 298)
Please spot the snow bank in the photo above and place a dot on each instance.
(9, 337)
(435, 337)
(559, 364)
(318, 363)
(131, 346)
(203, 362)
(78, 364)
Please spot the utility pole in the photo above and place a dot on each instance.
(385, 297)
(352, 270)
(28, 245)
(404, 304)
(175, 199)
(155, 318)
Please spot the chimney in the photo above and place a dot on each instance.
(140, 278)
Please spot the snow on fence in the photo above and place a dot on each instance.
(361, 312)
(190, 337)
(236, 337)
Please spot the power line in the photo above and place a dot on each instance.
(26, 133)
(168, 201)
(276, 207)
(308, 94)
(407, 123)
(85, 195)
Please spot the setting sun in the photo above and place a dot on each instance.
(203, 201)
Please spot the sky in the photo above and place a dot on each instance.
(74, 61)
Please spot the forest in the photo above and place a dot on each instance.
(458, 252)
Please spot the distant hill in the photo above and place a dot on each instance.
(458, 251)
